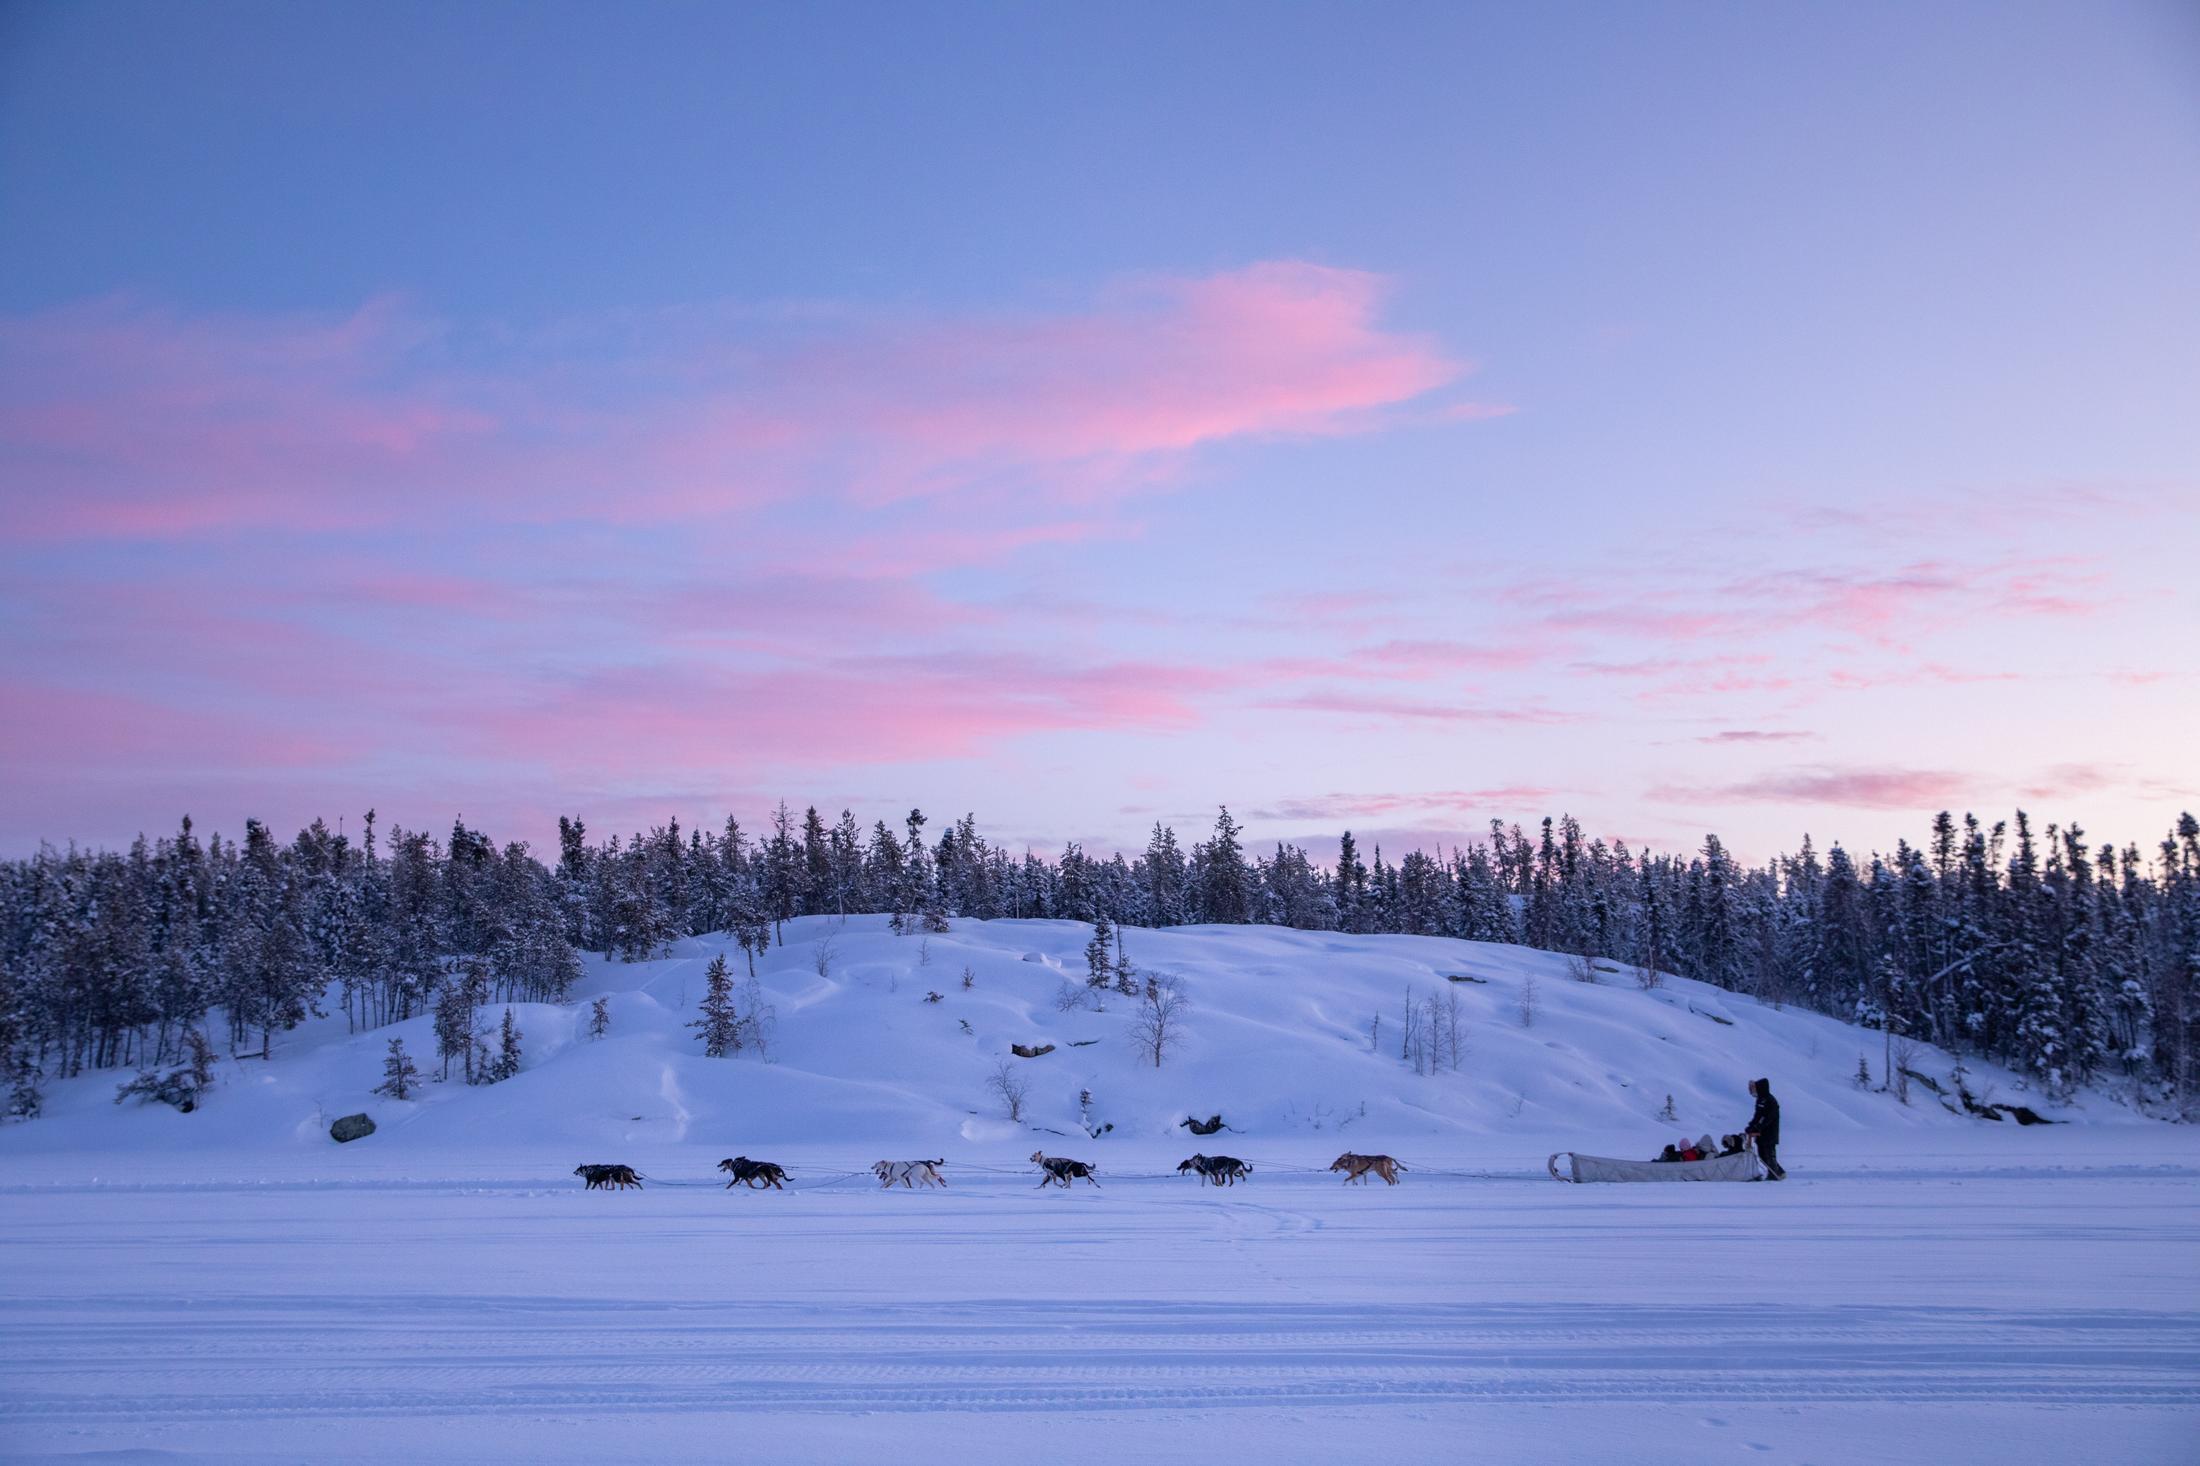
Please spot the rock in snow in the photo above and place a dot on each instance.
(351, 1127)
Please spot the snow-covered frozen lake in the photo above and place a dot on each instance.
(1978, 1296)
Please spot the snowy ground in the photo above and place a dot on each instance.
(230, 1285)
(1999, 1297)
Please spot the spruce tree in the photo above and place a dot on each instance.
(399, 1075)
(1099, 953)
(599, 1018)
(1223, 873)
(506, 1064)
(719, 1023)
(25, 1099)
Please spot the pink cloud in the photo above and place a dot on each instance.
(1394, 709)
(1333, 807)
(2063, 780)
(1911, 789)
(1755, 735)
(659, 721)
(129, 421)
(61, 732)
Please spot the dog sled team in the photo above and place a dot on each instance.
(1212, 1170)
(1751, 1154)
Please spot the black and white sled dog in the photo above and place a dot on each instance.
(1064, 1171)
(1221, 1170)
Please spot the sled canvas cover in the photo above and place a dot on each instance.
(1741, 1166)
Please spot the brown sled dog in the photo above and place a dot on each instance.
(1357, 1167)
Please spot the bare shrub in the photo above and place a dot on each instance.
(1581, 967)
(1905, 1059)
(1435, 1036)
(1530, 1000)
(760, 1021)
(1158, 1027)
(1009, 1088)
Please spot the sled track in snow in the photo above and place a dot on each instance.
(425, 1359)
(455, 1356)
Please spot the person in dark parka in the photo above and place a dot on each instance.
(1764, 1124)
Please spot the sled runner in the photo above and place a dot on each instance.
(1743, 1165)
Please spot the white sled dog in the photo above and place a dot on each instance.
(911, 1174)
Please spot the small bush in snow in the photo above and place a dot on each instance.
(599, 1019)
(1010, 1089)
(181, 1086)
(1530, 1002)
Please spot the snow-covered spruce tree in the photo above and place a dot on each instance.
(454, 1029)
(782, 876)
(719, 1023)
(1222, 872)
(599, 1018)
(25, 1099)
(507, 1062)
(1100, 953)
(1126, 976)
(1163, 872)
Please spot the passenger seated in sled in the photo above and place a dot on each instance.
(1688, 1150)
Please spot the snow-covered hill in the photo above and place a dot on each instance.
(1281, 1039)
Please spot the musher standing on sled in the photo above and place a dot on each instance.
(1764, 1124)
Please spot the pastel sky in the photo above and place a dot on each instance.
(1760, 419)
